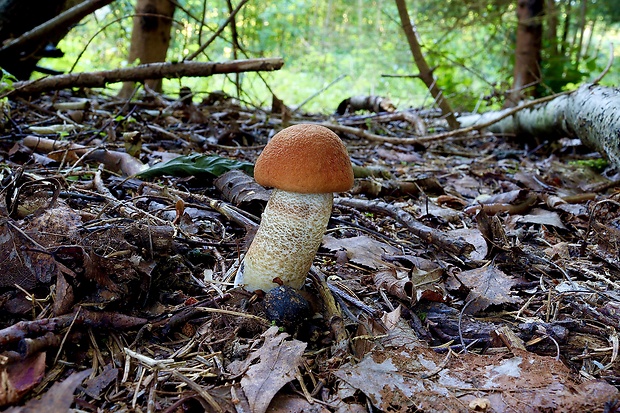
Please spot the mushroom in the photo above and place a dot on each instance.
(304, 164)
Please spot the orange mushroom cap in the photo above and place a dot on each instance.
(305, 158)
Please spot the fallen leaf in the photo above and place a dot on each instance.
(488, 286)
(279, 360)
(239, 188)
(385, 386)
(58, 399)
(95, 386)
(396, 283)
(19, 377)
(196, 164)
(361, 250)
(542, 217)
(286, 403)
(402, 374)
(474, 237)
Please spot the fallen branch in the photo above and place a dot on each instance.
(141, 72)
(425, 233)
(100, 320)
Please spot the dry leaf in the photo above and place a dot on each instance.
(474, 237)
(395, 283)
(58, 399)
(287, 403)
(361, 250)
(239, 188)
(428, 286)
(279, 360)
(542, 217)
(488, 286)
(401, 374)
(19, 377)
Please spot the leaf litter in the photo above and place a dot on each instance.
(462, 275)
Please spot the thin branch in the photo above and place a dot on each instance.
(141, 72)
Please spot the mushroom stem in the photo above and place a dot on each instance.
(290, 233)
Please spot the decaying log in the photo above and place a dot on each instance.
(147, 71)
(375, 104)
(591, 113)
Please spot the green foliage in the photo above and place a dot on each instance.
(469, 42)
(598, 165)
(196, 165)
(6, 81)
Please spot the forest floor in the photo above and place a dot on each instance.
(472, 273)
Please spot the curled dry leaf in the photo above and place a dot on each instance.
(542, 217)
(395, 282)
(239, 188)
(513, 202)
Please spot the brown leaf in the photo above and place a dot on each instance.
(542, 217)
(286, 403)
(428, 285)
(395, 283)
(474, 237)
(19, 377)
(57, 399)
(488, 286)
(278, 363)
(239, 188)
(22, 264)
(361, 250)
(95, 386)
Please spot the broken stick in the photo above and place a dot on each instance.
(141, 72)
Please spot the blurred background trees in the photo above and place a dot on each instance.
(469, 44)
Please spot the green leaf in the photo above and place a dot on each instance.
(197, 164)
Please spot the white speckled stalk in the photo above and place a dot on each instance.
(287, 240)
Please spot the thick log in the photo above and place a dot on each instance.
(590, 113)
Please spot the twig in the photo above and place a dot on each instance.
(425, 233)
(113, 160)
(332, 312)
(200, 390)
(234, 313)
(609, 63)
(333, 82)
(141, 72)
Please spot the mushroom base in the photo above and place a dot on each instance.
(286, 242)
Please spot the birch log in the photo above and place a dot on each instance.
(591, 113)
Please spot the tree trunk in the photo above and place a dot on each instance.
(551, 29)
(566, 26)
(150, 38)
(591, 113)
(426, 74)
(527, 72)
(581, 31)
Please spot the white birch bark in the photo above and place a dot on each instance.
(591, 113)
